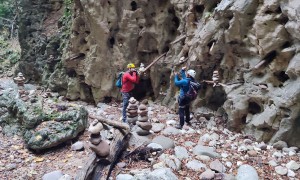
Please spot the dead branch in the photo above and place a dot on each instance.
(212, 82)
(119, 125)
(179, 39)
(154, 61)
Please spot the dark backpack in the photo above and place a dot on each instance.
(194, 88)
(119, 80)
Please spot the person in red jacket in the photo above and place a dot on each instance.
(129, 78)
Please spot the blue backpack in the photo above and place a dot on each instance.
(194, 88)
(119, 80)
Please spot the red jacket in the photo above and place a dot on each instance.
(128, 81)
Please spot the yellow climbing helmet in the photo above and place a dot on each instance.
(130, 65)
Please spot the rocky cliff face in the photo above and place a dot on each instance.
(254, 45)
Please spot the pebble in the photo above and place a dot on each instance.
(281, 170)
(291, 173)
(11, 166)
(272, 163)
(293, 165)
(228, 164)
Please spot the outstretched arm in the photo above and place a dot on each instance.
(179, 82)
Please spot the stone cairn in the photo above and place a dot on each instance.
(215, 78)
(99, 146)
(144, 125)
(20, 80)
(132, 111)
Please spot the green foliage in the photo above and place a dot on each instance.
(6, 8)
(66, 21)
(8, 52)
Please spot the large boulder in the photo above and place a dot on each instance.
(41, 127)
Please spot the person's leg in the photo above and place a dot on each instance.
(181, 115)
(181, 112)
(187, 114)
(126, 97)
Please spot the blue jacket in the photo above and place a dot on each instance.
(182, 83)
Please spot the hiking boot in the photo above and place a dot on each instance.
(188, 124)
(178, 126)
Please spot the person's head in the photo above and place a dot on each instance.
(191, 73)
(131, 67)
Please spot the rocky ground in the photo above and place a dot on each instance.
(206, 149)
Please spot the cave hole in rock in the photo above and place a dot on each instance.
(79, 56)
(133, 5)
(83, 41)
(244, 119)
(211, 43)
(268, 12)
(287, 44)
(229, 16)
(111, 42)
(56, 45)
(143, 89)
(199, 8)
(166, 49)
(281, 76)
(282, 20)
(213, 5)
(278, 10)
(71, 73)
(265, 129)
(254, 108)
(217, 98)
(107, 99)
(171, 10)
(270, 57)
(87, 32)
(87, 91)
(176, 22)
(76, 33)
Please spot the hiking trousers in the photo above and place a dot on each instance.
(125, 96)
(184, 109)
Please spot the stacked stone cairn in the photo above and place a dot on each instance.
(144, 125)
(20, 80)
(132, 111)
(215, 78)
(99, 146)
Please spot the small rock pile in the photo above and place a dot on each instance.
(99, 146)
(144, 125)
(215, 78)
(20, 80)
(132, 111)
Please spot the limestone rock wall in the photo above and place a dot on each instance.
(254, 45)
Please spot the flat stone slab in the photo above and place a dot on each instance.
(165, 142)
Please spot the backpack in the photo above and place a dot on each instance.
(119, 80)
(194, 88)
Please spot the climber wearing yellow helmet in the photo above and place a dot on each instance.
(129, 78)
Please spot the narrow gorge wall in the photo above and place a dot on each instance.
(254, 45)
